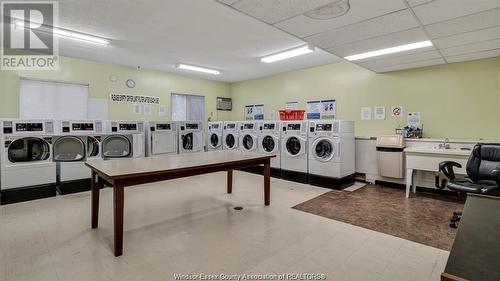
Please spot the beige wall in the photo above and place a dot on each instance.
(458, 100)
(150, 83)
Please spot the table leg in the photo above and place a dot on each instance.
(229, 181)
(409, 181)
(95, 190)
(267, 182)
(118, 202)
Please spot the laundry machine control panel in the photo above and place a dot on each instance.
(27, 127)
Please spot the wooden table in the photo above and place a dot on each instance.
(475, 254)
(132, 171)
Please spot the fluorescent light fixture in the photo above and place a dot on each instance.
(197, 68)
(288, 54)
(392, 50)
(64, 33)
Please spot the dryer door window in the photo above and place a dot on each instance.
(92, 147)
(29, 149)
(230, 141)
(293, 146)
(116, 146)
(214, 140)
(268, 144)
(68, 149)
(248, 142)
(323, 150)
(187, 141)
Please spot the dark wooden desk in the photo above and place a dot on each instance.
(475, 254)
(132, 171)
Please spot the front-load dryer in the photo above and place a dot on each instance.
(230, 135)
(27, 170)
(294, 150)
(77, 141)
(331, 153)
(248, 136)
(123, 139)
(161, 138)
(269, 142)
(214, 137)
(190, 136)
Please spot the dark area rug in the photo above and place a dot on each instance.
(422, 218)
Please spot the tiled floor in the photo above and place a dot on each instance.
(189, 226)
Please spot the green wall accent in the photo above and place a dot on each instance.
(460, 100)
(148, 82)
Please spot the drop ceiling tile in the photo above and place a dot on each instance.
(401, 59)
(383, 25)
(228, 2)
(471, 48)
(468, 38)
(272, 11)
(414, 3)
(408, 65)
(464, 24)
(441, 10)
(381, 42)
(360, 10)
(474, 56)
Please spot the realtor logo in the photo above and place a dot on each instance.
(28, 41)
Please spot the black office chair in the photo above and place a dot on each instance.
(483, 170)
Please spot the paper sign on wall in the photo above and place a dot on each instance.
(313, 109)
(329, 108)
(292, 105)
(146, 109)
(366, 113)
(397, 111)
(258, 112)
(136, 108)
(414, 119)
(162, 110)
(379, 113)
(249, 112)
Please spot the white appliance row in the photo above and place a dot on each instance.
(319, 152)
(38, 156)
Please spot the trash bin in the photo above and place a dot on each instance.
(390, 156)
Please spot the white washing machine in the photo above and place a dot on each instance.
(214, 138)
(269, 142)
(294, 150)
(27, 171)
(123, 139)
(161, 138)
(230, 135)
(331, 153)
(190, 136)
(78, 140)
(249, 136)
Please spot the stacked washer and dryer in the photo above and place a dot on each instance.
(78, 140)
(27, 171)
(331, 153)
(214, 137)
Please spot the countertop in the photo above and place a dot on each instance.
(440, 140)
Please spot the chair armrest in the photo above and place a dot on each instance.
(496, 173)
(488, 189)
(446, 167)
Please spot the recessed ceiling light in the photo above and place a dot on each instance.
(63, 33)
(197, 68)
(288, 54)
(391, 50)
(329, 11)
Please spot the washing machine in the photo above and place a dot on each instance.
(294, 150)
(190, 136)
(230, 135)
(76, 141)
(123, 139)
(269, 142)
(161, 138)
(27, 171)
(331, 153)
(248, 136)
(214, 138)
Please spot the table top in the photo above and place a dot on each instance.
(127, 167)
(475, 254)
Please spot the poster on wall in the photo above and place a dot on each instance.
(248, 112)
(379, 112)
(329, 108)
(258, 112)
(397, 111)
(314, 109)
(292, 105)
(117, 97)
(414, 119)
(366, 113)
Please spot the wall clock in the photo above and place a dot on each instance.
(130, 83)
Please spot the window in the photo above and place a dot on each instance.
(52, 100)
(188, 107)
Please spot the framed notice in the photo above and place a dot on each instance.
(224, 104)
